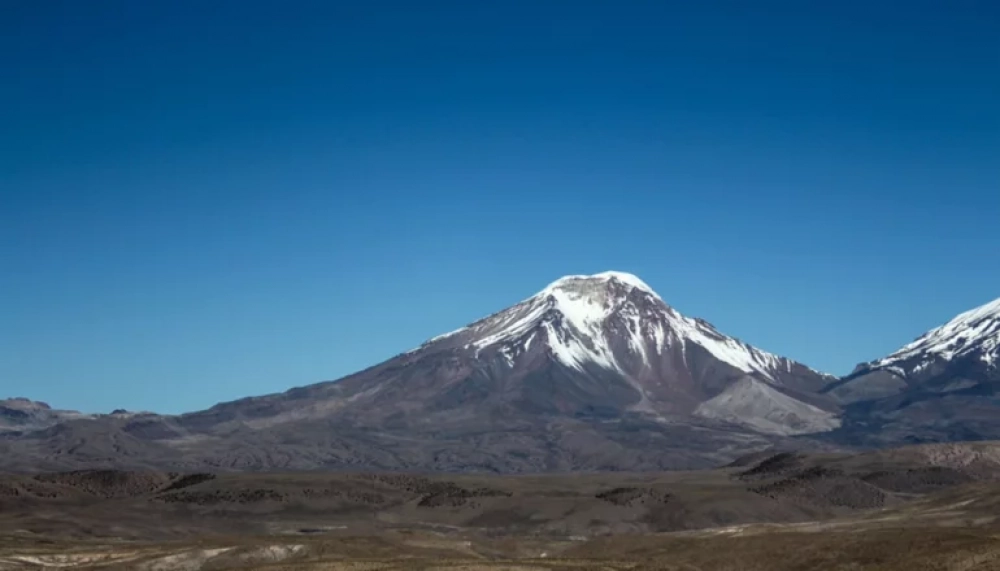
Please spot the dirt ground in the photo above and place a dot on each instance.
(782, 512)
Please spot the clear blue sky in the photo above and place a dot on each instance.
(201, 201)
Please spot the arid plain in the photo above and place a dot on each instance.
(923, 507)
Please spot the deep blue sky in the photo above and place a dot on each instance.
(201, 201)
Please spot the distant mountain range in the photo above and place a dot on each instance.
(591, 373)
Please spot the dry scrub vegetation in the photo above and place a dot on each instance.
(919, 509)
(909, 549)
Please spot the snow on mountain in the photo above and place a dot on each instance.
(590, 372)
(577, 315)
(956, 356)
(975, 332)
(630, 280)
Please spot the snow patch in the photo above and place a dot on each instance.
(726, 349)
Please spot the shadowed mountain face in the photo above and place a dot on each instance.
(593, 372)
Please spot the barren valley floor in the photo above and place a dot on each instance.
(926, 507)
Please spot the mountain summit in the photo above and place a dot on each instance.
(615, 321)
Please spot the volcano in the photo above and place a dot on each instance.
(591, 372)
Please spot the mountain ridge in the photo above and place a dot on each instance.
(589, 373)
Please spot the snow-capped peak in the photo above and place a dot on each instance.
(588, 319)
(974, 330)
(626, 279)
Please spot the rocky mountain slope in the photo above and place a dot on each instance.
(597, 347)
(592, 372)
